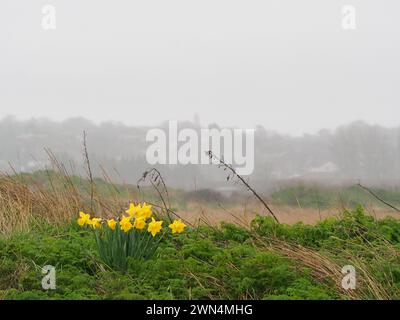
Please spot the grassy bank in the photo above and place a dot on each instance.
(267, 261)
(264, 260)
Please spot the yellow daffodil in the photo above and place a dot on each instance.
(126, 224)
(133, 210)
(96, 223)
(177, 226)
(111, 224)
(83, 219)
(154, 227)
(139, 223)
(145, 211)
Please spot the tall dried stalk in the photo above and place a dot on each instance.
(233, 173)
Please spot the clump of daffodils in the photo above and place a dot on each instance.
(135, 234)
(136, 217)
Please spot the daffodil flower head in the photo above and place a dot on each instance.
(177, 226)
(112, 224)
(145, 211)
(83, 219)
(154, 227)
(96, 223)
(139, 223)
(126, 224)
(133, 210)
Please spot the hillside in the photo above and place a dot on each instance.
(351, 153)
(220, 260)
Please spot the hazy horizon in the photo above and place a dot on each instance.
(351, 153)
(201, 124)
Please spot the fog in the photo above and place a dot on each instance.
(286, 65)
(323, 99)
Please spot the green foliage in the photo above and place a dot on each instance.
(353, 225)
(116, 246)
(356, 239)
(203, 263)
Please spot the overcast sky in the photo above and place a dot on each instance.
(285, 64)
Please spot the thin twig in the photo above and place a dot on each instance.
(229, 167)
(89, 169)
(377, 197)
(155, 178)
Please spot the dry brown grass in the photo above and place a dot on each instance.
(243, 215)
(21, 202)
(59, 200)
(24, 200)
(325, 269)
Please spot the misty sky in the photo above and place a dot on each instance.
(285, 64)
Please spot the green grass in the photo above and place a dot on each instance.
(206, 263)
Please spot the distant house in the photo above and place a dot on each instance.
(227, 191)
(328, 167)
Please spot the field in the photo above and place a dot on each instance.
(231, 248)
